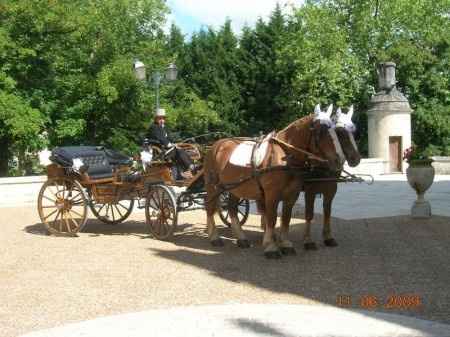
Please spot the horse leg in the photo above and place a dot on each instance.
(308, 243)
(286, 245)
(328, 240)
(242, 240)
(260, 209)
(271, 250)
(211, 209)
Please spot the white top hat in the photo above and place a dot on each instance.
(160, 113)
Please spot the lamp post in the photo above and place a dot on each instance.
(169, 75)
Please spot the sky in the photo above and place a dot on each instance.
(191, 15)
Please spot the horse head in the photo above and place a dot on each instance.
(345, 130)
(326, 141)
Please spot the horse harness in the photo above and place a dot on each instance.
(257, 173)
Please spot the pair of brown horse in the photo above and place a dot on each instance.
(318, 141)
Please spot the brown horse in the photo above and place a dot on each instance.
(344, 130)
(301, 143)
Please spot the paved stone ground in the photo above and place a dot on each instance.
(389, 195)
(50, 281)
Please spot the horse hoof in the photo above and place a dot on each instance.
(288, 251)
(310, 246)
(217, 243)
(273, 255)
(243, 243)
(330, 242)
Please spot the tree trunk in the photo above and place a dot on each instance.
(4, 157)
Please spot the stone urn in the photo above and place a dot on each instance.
(420, 176)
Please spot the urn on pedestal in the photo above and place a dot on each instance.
(420, 174)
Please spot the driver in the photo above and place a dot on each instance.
(158, 131)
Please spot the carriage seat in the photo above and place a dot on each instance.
(100, 162)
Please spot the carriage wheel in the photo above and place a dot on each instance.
(224, 214)
(161, 212)
(112, 213)
(62, 206)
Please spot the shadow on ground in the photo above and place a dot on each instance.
(380, 264)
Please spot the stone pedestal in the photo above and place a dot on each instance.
(420, 179)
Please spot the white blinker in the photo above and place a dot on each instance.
(323, 117)
(317, 109)
(329, 110)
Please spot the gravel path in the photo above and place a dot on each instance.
(49, 281)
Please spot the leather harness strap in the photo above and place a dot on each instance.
(296, 149)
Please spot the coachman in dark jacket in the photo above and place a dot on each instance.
(158, 132)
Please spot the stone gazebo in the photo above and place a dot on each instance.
(389, 123)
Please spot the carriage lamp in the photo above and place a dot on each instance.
(169, 75)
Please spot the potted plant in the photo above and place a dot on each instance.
(420, 174)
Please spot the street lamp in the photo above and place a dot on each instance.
(169, 75)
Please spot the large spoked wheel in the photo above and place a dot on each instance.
(224, 213)
(112, 213)
(161, 212)
(62, 206)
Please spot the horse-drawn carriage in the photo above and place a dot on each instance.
(104, 181)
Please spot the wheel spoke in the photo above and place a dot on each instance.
(51, 190)
(126, 209)
(49, 215)
(44, 196)
(70, 218)
(60, 222)
(107, 211)
(100, 209)
(51, 206)
(112, 212)
(118, 211)
(69, 230)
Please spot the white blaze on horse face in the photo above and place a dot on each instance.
(337, 145)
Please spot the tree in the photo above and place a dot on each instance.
(71, 61)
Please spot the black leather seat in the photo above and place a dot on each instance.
(99, 161)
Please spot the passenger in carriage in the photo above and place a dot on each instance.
(158, 131)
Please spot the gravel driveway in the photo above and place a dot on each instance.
(48, 281)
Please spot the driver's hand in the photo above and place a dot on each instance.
(170, 145)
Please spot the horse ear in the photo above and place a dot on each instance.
(350, 112)
(317, 109)
(330, 110)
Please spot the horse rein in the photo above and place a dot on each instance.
(299, 150)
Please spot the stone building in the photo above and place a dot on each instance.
(389, 122)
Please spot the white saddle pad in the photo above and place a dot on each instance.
(242, 154)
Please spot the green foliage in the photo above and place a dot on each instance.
(19, 122)
(65, 67)
(193, 117)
